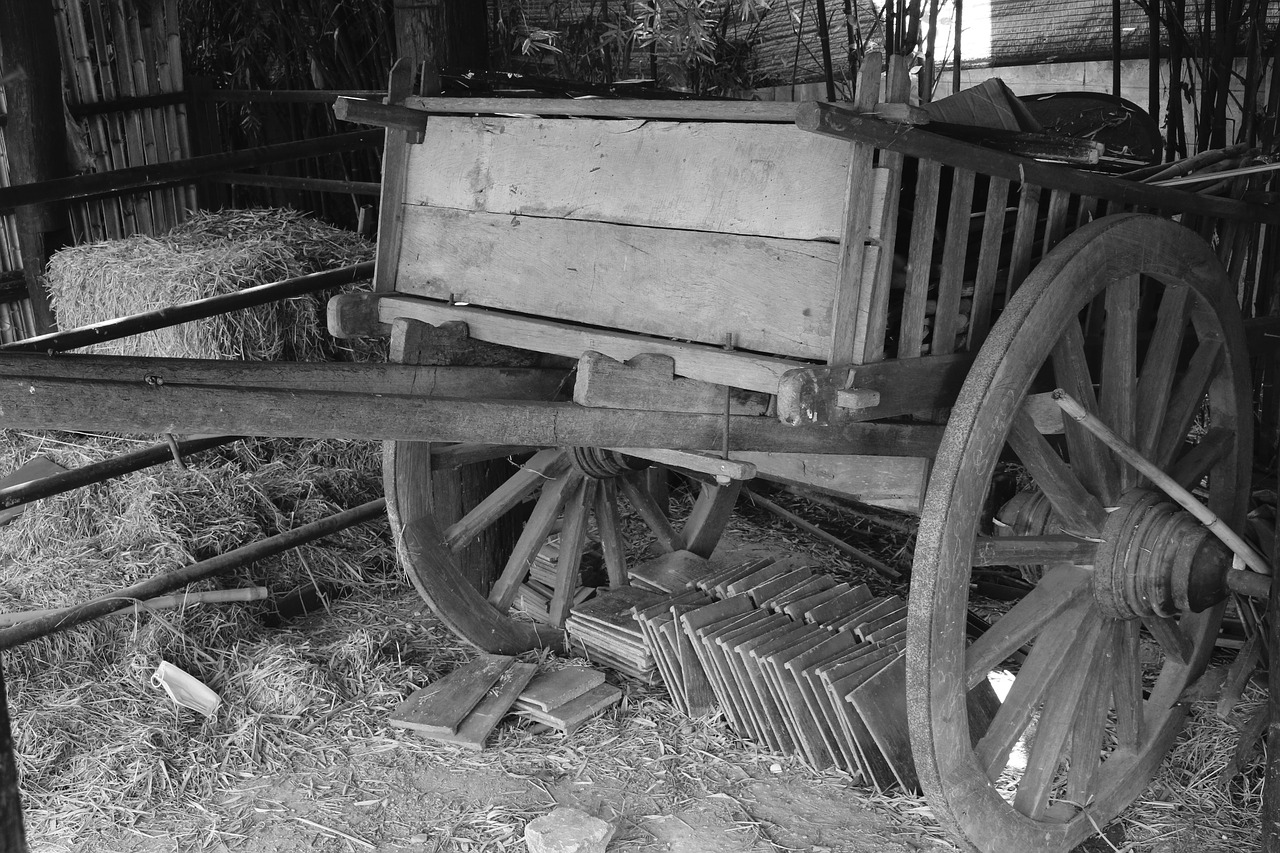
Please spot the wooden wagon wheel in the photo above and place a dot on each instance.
(1131, 315)
(574, 484)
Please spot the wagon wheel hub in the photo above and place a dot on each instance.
(1157, 560)
(600, 463)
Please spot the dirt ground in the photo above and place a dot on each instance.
(337, 777)
(667, 783)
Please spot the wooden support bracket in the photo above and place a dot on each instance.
(847, 393)
(648, 382)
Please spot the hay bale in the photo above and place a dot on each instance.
(208, 255)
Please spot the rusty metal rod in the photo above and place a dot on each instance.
(170, 581)
(126, 463)
(199, 309)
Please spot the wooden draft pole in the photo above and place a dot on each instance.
(36, 137)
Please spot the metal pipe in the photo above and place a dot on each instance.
(169, 581)
(210, 306)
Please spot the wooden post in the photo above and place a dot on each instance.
(13, 836)
(436, 34)
(36, 136)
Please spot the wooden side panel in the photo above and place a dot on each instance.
(762, 179)
(772, 295)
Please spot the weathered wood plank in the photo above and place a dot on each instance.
(705, 363)
(811, 395)
(894, 482)
(768, 180)
(441, 706)
(35, 402)
(771, 295)
(752, 111)
(648, 382)
(337, 377)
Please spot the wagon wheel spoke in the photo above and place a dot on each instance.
(1120, 368)
(1059, 590)
(545, 465)
(1089, 729)
(1047, 658)
(1159, 367)
(1090, 459)
(1061, 483)
(1126, 685)
(652, 515)
(1188, 395)
(1062, 708)
(532, 538)
(573, 541)
(1213, 447)
(609, 528)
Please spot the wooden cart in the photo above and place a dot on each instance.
(807, 294)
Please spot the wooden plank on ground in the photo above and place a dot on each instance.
(764, 179)
(552, 689)
(478, 725)
(441, 706)
(881, 701)
(571, 715)
(829, 611)
(793, 671)
(798, 713)
(674, 571)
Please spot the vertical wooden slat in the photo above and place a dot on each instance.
(955, 246)
(919, 259)
(395, 162)
(1056, 223)
(890, 165)
(1024, 235)
(877, 268)
(849, 285)
(984, 286)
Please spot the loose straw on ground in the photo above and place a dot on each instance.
(72, 616)
(862, 556)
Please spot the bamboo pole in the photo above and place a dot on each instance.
(169, 581)
(1163, 481)
(125, 463)
(164, 602)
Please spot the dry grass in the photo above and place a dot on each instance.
(98, 746)
(208, 255)
(105, 757)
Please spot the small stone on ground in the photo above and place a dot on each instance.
(567, 830)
